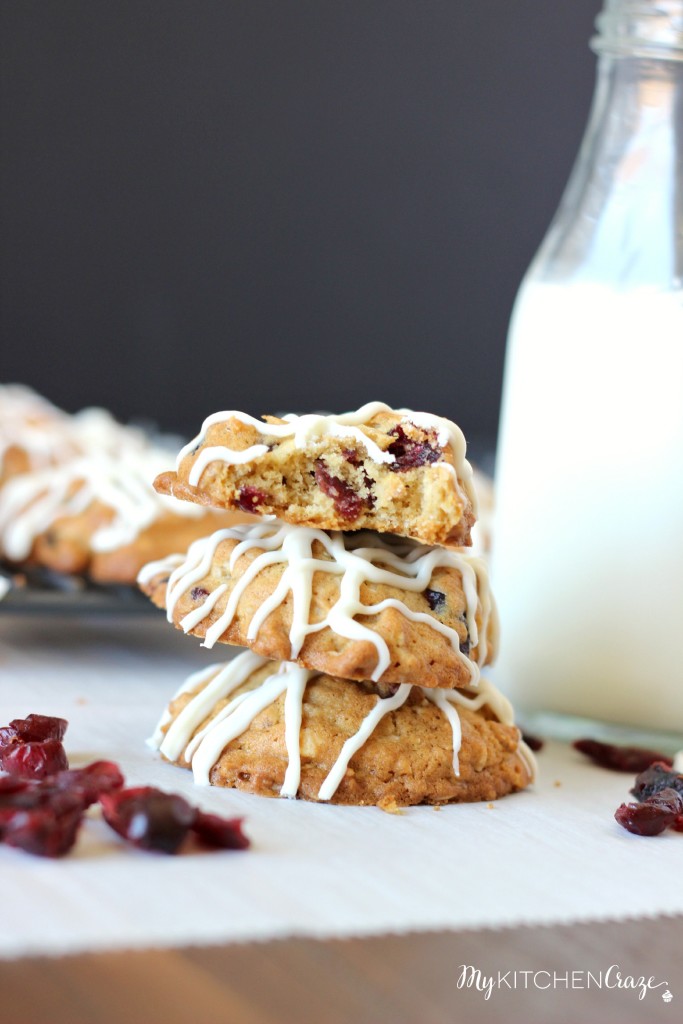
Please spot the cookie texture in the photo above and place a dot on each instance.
(409, 756)
(393, 471)
(351, 605)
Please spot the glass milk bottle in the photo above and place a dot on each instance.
(588, 543)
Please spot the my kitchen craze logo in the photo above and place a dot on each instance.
(612, 978)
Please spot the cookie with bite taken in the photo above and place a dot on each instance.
(389, 470)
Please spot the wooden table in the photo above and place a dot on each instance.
(403, 980)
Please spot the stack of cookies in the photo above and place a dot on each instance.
(367, 621)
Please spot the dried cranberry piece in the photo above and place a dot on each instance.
(149, 818)
(34, 760)
(409, 454)
(348, 503)
(35, 728)
(435, 599)
(533, 742)
(670, 800)
(657, 777)
(91, 782)
(10, 785)
(47, 831)
(619, 759)
(23, 800)
(351, 456)
(647, 819)
(32, 796)
(249, 499)
(224, 833)
(198, 592)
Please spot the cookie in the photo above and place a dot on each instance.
(353, 605)
(97, 515)
(33, 432)
(393, 471)
(279, 730)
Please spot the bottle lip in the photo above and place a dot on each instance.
(640, 28)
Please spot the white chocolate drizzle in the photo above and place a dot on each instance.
(383, 706)
(31, 502)
(355, 558)
(73, 462)
(212, 685)
(30, 423)
(313, 427)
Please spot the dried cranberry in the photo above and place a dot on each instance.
(23, 800)
(198, 592)
(34, 760)
(19, 793)
(647, 819)
(35, 728)
(533, 742)
(91, 782)
(46, 831)
(249, 499)
(149, 818)
(435, 599)
(670, 800)
(224, 833)
(619, 759)
(348, 503)
(11, 784)
(409, 454)
(657, 777)
(351, 456)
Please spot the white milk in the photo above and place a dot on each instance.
(588, 541)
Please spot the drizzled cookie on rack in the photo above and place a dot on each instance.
(34, 433)
(76, 494)
(352, 605)
(393, 471)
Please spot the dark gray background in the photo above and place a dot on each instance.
(278, 204)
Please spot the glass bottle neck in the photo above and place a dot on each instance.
(620, 220)
(640, 28)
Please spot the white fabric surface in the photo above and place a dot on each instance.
(551, 854)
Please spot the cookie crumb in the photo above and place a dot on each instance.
(491, 807)
(390, 807)
(557, 783)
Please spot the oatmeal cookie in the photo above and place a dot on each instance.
(394, 471)
(353, 605)
(33, 432)
(97, 515)
(278, 730)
